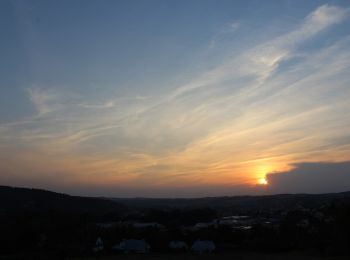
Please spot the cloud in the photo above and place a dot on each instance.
(107, 104)
(318, 177)
(325, 15)
(261, 61)
(113, 102)
(227, 29)
(265, 58)
(44, 100)
(232, 27)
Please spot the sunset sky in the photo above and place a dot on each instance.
(175, 98)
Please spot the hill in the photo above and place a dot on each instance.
(18, 200)
(240, 203)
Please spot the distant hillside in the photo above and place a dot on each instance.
(241, 203)
(17, 200)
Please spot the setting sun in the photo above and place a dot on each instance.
(263, 181)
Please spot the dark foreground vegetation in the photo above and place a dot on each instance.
(37, 224)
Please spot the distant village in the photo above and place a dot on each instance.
(217, 235)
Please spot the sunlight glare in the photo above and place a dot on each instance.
(263, 181)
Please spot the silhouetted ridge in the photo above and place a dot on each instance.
(240, 203)
(15, 200)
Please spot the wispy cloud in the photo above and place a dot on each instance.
(44, 100)
(227, 29)
(113, 102)
(261, 61)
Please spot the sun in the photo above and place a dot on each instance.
(263, 181)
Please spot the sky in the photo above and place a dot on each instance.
(175, 98)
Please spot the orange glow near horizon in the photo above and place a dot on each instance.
(262, 171)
